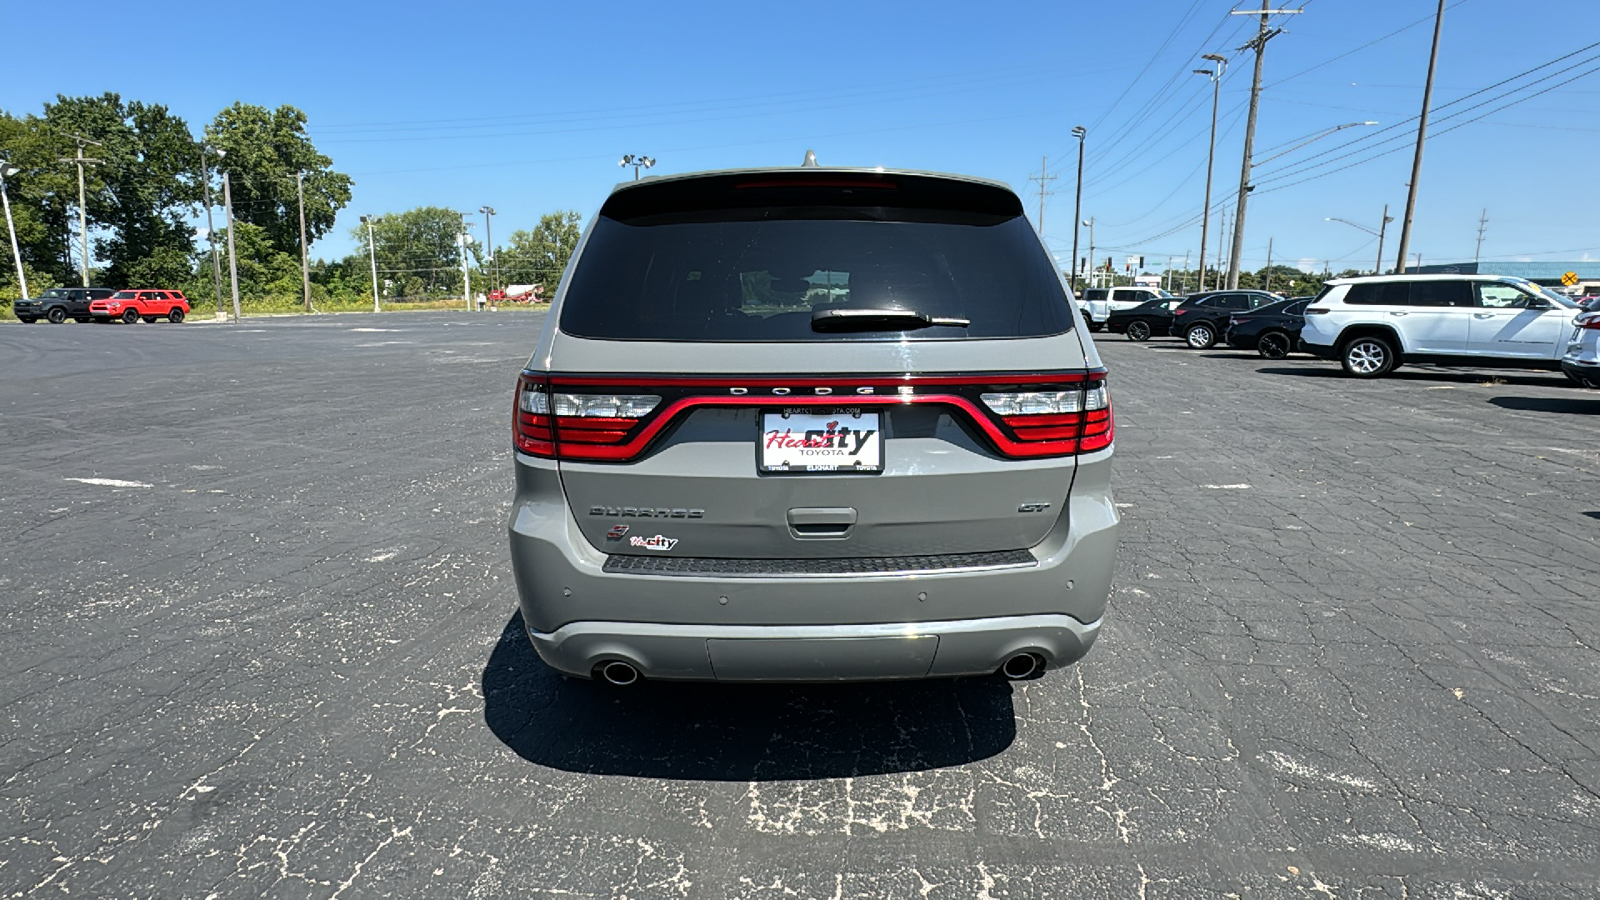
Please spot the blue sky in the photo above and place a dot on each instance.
(528, 106)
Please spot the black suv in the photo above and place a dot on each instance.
(1202, 318)
(59, 304)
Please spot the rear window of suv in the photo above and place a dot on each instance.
(759, 272)
(1410, 293)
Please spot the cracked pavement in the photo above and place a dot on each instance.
(260, 639)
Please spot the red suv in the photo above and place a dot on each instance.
(132, 305)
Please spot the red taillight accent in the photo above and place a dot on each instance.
(1063, 434)
(619, 439)
(1591, 324)
(1180, 312)
(530, 432)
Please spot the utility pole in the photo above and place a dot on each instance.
(1185, 273)
(6, 171)
(372, 250)
(1483, 225)
(211, 228)
(1211, 154)
(1269, 266)
(1259, 44)
(1222, 238)
(1422, 137)
(1042, 178)
(233, 257)
(305, 273)
(1383, 227)
(1079, 132)
(83, 215)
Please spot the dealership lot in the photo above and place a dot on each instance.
(261, 639)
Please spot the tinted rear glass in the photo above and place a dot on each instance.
(1410, 293)
(758, 275)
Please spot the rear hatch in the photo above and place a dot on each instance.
(813, 364)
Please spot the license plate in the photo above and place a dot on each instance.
(842, 440)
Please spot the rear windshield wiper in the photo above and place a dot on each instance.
(879, 320)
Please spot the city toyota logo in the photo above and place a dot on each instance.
(659, 543)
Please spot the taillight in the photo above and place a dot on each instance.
(611, 418)
(1056, 423)
(584, 426)
(1592, 323)
(1316, 310)
(1180, 312)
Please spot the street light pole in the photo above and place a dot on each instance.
(638, 161)
(1422, 137)
(305, 272)
(1079, 132)
(372, 250)
(1211, 154)
(1092, 270)
(211, 227)
(6, 171)
(488, 234)
(233, 256)
(1383, 226)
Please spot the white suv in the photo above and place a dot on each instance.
(1099, 303)
(1371, 325)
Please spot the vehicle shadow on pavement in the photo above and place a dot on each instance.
(738, 732)
(1430, 374)
(1582, 405)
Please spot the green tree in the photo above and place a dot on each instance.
(264, 149)
(142, 192)
(38, 197)
(417, 250)
(265, 272)
(540, 256)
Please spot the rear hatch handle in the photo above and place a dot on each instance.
(812, 523)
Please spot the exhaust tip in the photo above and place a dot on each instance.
(1020, 666)
(619, 673)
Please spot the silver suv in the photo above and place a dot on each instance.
(812, 424)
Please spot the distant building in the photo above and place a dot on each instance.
(1545, 273)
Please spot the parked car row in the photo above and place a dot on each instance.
(1373, 325)
(92, 304)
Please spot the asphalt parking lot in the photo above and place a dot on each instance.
(260, 639)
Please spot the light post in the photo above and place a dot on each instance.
(638, 162)
(233, 254)
(1092, 271)
(488, 235)
(6, 171)
(211, 227)
(1215, 75)
(372, 250)
(1316, 137)
(1079, 132)
(1383, 227)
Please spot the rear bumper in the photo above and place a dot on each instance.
(1320, 351)
(704, 625)
(815, 653)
